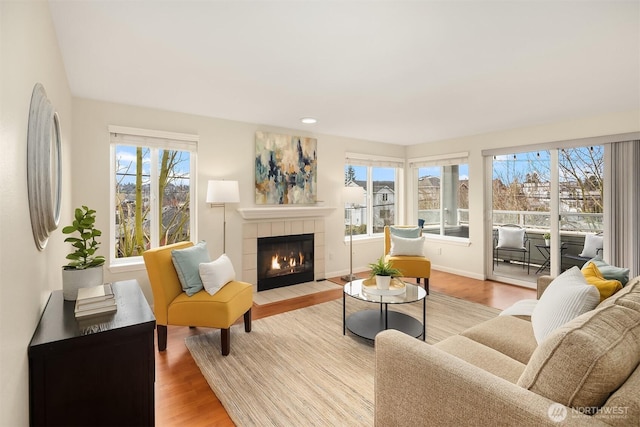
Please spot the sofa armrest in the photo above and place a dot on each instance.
(418, 384)
(542, 284)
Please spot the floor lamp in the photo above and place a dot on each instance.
(219, 193)
(351, 195)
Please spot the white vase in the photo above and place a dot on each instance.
(382, 282)
(547, 242)
(72, 280)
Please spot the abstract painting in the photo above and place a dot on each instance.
(286, 169)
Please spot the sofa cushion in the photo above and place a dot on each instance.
(629, 296)
(567, 297)
(483, 357)
(610, 272)
(594, 277)
(523, 308)
(581, 363)
(623, 407)
(507, 334)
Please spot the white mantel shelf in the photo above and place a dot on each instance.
(285, 212)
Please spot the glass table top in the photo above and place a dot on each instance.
(412, 293)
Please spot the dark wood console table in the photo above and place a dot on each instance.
(97, 371)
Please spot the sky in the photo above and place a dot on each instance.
(388, 174)
(126, 161)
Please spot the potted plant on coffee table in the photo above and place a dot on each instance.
(383, 272)
(547, 238)
(85, 268)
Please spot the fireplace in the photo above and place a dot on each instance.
(284, 261)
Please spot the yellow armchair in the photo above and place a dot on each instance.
(172, 306)
(410, 266)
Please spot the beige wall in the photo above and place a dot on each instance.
(470, 260)
(29, 54)
(226, 150)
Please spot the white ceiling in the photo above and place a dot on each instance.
(403, 72)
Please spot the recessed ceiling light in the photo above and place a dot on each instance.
(308, 120)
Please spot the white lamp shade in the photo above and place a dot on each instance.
(352, 194)
(219, 191)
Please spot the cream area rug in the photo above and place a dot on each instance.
(298, 369)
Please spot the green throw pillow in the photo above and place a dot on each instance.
(406, 232)
(187, 262)
(610, 272)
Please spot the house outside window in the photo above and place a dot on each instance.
(442, 194)
(378, 178)
(151, 191)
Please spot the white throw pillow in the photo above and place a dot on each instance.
(592, 243)
(567, 297)
(510, 237)
(524, 307)
(403, 246)
(216, 274)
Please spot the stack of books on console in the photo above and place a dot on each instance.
(95, 301)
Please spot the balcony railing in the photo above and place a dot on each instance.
(573, 228)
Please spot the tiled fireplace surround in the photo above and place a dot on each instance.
(251, 231)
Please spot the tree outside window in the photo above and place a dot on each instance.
(152, 198)
(522, 188)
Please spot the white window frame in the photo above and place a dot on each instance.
(415, 164)
(488, 154)
(374, 161)
(156, 141)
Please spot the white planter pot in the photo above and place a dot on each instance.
(547, 242)
(72, 280)
(382, 282)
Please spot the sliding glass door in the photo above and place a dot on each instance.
(521, 206)
(581, 204)
(552, 200)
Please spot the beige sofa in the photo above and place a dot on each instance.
(496, 373)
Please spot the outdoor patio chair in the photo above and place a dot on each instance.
(512, 238)
(591, 248)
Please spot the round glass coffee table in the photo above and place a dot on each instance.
(367, 323)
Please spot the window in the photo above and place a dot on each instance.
(152, 191)
(533, 189)
(442, 194)
(378, 178)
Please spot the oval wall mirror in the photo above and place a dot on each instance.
(44, 166)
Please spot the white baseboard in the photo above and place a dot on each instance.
(459, 272)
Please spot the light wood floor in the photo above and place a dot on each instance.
(183, 396)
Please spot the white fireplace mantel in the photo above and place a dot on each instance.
(285, 212)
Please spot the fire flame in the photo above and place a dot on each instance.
(275, 265)
(290, 262)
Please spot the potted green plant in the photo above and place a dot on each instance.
(547, 238)
(85, 267)
(383, 272)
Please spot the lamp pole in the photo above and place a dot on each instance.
(352, 194)
(221, 192)
(350, 277)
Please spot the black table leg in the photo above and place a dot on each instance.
(424, 319)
